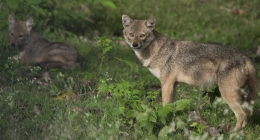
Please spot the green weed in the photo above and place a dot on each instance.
(112, 96)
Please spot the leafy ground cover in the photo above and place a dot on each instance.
(112, 96)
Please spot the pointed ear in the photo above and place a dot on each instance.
(29, 24)
(126, 21)
(11, 20)
(150, 23)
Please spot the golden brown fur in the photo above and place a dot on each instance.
(193, 63)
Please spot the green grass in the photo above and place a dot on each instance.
(120, 99)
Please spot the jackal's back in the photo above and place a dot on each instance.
(36, 50)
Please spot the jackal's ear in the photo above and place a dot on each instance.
(150, 23)
(11, 20)
(126, 20)
(29, 24)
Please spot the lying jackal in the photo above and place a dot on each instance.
(195, 64)
(34, 49)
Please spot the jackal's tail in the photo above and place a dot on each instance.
(252, 84)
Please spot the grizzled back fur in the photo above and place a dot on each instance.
(36, 50)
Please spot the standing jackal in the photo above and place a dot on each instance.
(34, 49)
(193, 63)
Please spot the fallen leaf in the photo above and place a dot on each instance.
(194, 116)
(72, 96)
(85, 82)
(213, 131)
(237, 11)
(46, 76)
(227, 128)
(36, 110)
(64, 95)
(234, 11)
(76, 108)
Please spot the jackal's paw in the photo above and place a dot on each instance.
(244, 124)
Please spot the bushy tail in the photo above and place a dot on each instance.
(252, 84)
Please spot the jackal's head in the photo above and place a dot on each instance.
(19, 30)
(138, 33)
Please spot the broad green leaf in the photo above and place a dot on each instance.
(136, 92)
(201, 127)
(88, 75)
(181, 104)
(164, 110)
(180, 124)
(122, 110)
(106, 49)
(54, 88)
(136, 105)
(194, 124)
(122, 102)
(152, 117)
(130, 114)
(102, 87)
(111, 86)
(163, 120)
(141, 117)
(108, 41)
(135, 97)
(149, 127)
(164, 132)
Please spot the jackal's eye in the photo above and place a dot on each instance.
(142, 35)
(131, 35)
(21, 35)
(12, 34)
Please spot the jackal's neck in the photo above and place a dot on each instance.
(32, 38)
(151, 50)
(156, 44)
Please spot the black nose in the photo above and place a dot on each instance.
(12, 44)
(135, 45)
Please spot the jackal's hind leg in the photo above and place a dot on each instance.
(232, 96)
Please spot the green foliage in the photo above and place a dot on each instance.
(132, 105)
(106, 46)
(75, 16)
(164, 111)
(212, 94)
(181, 104)
(114, 98)
(200, 127)
(106, 3)
(129, 63)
